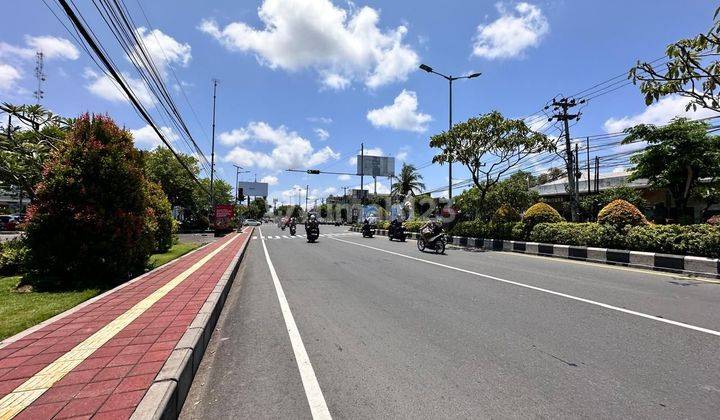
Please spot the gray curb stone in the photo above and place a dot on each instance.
(166, 396)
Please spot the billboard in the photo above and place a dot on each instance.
(376, 165)
(359, 194)
(254, 189)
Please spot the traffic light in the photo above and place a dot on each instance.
(313, 171)
(240, 196)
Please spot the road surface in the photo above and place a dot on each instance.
(367, 328)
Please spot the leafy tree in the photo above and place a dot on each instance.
(692, 71)
(23, 152)
(589, 205)
(409, 181)
(160, 225)
(489, 146)
(257, 208)
(87, 226)
(163, 168)
(514, 192)
(550, 175)
(676, 157)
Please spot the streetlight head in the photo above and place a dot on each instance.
(426, 68)
(471, 76)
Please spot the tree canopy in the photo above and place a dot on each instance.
(408, 181)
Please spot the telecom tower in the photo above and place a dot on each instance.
(40, 76)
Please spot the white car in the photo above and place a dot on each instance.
(251, 222)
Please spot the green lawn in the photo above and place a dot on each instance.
(22, 310)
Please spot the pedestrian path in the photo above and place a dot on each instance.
(322, 235)
(99, 359)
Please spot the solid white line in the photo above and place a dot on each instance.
(552, 292)
(277, 237)
(314, 394)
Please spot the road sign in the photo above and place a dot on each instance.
(254, 189)
(376, 165)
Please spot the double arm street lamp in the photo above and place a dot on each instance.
(450, 80)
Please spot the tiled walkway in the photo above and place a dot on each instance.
(99, 360)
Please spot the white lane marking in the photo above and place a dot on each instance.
(552, 292)
(286, 237)
(277, 237)
(314, 394)
(254, 237)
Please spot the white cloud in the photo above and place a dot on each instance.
(323, 120)
(512, 33)
(269, 179)
(658, 113)
(290, 150)
(9, 76)
(322, 134)
(401, 156)
(147, 138)
(401, 115)
(53, 47)
(341, 45)
(344, 178)
(330, 190)
(105, 87)
(373, 151)
(163, 49)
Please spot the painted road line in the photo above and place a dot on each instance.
(552, 292)
(22, 396)
(314, 394)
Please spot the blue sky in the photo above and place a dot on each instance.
(304, 82)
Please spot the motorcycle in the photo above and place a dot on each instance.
(396, 233)
(436, 241)
(292, 230)
(367, 231)
(312, 232)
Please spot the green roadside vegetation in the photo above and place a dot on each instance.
(22, 308)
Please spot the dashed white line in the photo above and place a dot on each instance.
(314, 394)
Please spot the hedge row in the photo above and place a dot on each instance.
(699, 240)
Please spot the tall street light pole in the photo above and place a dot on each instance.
(212, 152)
(450, 80)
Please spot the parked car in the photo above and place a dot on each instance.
(251, 222)
(8, 222)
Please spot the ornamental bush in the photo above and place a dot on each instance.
(13, 254)
(620, 213)
(413, 225)
(714, 220)
(160, 225)
(87, 225)
(505, 213)
(699, 240)
(540, 213)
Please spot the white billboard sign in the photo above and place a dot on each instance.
(254, 189)
(376, 165)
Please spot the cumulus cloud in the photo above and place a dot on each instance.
(342, 45)
(402, 114)
(402, 156)
(344, 178)
(103, 86)
(269, 179)
(147, 138)
(9, 76)
(512, 33)
(323, 120)
(321, 133)
(52, 48)
(290, 150)
(164, 50)
(658, 113)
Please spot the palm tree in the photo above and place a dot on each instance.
(409, 181)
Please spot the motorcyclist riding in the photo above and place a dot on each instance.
(312, 228)
(367, 229)
(432, 237)
(292, 225)
(396, 230)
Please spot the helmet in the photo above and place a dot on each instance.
(312, 217)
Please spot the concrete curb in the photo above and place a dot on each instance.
(682, 264)
(166, 395)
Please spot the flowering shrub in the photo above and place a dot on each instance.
(540, 213)
(87, 225)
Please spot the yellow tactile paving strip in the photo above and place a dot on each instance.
(24, 395)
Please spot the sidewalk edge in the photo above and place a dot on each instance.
(166, 395)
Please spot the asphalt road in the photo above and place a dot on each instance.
(392, 332)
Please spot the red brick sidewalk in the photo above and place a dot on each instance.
(110, 381)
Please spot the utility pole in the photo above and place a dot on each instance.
(362, 171)
(212, 153)
(587, 149)
(578, 174)
(40, 76)
(561, 108)
(307, 189)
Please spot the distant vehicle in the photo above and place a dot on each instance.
(251, 222)
(8, 222)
